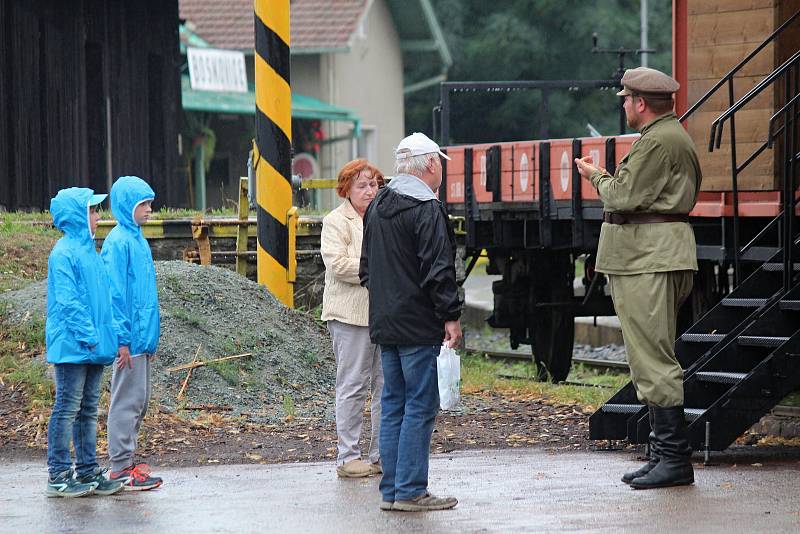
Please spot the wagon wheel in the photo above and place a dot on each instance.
(554, 334)
(553, 328)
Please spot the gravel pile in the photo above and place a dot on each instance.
(291, 371)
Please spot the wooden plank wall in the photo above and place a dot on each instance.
(61, 62)
(721, 33)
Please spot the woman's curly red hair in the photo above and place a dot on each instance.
(350, 172)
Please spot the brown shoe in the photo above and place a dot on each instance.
(354, 469)
(425, 503)
(375, 468)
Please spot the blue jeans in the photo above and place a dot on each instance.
(74, 418)
(410, 403)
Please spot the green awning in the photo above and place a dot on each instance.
(303, 107)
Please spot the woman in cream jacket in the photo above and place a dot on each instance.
(345, 307)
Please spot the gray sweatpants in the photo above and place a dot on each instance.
(358, 363)
(130, 395)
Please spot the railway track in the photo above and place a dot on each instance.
(780, 410)
(516, 356)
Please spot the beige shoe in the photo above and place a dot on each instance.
(425, 503)
(354, 469)
(375, 468)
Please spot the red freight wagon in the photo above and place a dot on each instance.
(524, 203)
(526, 206)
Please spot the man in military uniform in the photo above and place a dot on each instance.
(647, 250)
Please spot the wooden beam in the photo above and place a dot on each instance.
(698, 7)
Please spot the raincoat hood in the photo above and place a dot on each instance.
(70, 211)
(403, 193)
(127, 193)
(410, 185)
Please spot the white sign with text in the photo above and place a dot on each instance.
(211, 69)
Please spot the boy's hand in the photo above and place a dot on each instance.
(124, 358)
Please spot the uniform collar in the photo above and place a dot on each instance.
(649, 125)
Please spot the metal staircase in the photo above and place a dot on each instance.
(743, 356)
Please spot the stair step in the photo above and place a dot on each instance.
(744, 303)
(790, 305)
(702, 338)
(622, 408)
(779, 266)
(762, 341)
(720, 377)
(692, 414)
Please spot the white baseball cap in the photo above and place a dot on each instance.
(417, 144)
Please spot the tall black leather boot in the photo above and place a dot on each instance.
(674, 467)
(653, 455)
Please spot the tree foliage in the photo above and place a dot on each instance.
(534, 40)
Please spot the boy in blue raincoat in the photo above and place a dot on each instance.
(133, 277)
(81, 339)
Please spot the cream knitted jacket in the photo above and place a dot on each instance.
(343, 299)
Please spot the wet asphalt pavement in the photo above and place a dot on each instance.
(520, 490)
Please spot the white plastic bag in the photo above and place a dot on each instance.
(448, 365)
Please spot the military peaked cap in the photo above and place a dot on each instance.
(648, 82)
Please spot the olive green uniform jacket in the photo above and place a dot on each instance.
(661, 174)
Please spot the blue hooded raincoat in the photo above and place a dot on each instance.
(130, 265)
(80, 324)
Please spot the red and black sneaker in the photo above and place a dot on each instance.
(137, 478)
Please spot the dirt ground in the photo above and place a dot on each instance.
(208, 437)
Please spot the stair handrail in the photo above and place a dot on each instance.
(729, 114)
(729, 76)
(717, 126)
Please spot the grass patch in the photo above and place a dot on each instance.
(19, 344)
(190, 318)
(177, 213)
(480, 374)
(289, 409)
(25, 216)
(310, 357)
(792, 399)
(228, 370)
(32, 374)
(25, 250)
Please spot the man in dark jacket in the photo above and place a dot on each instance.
(407, 263)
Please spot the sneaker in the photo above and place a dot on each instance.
(386, 505)
(425, 503)
(375, 468)
(103, 486)
(63, 485)
(136, 478)
(354, 469)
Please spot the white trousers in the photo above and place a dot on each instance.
(358, 364)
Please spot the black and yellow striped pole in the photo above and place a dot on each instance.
(272, 151)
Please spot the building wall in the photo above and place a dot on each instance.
(68, 71)
(368, 80)
(305, 75)
(720, 34)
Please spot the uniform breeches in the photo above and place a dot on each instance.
(647, 306)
